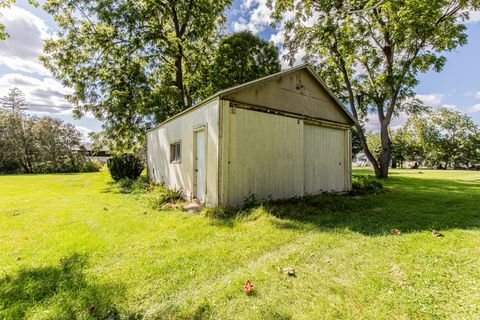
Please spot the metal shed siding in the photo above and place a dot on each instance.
(180, 176)
(326, 159)
(280, 157)
(265, 155)
(296, 92)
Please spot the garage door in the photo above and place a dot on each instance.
(325, 168)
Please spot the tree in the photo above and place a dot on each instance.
(14, 101)
(31, 144)
(370, 53)
(9, 155)
(18, 128)
(456, 134)
(239, 58)
(442, 138)
(132, 63)
(356, 143)
(58, 143)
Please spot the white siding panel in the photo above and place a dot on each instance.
(265, 155)
(326, 168)
(180, 176)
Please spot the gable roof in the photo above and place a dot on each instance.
(307, 67)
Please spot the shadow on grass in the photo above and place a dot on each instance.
(112, 187)
(409, 204)
(58, 292)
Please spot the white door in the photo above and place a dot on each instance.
(200, 165)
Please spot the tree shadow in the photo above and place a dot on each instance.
(409, 204)
(59, 292)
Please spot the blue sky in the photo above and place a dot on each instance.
(457, 86)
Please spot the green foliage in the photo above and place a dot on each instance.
(219, 212)
(159, 195)
(37, 145)
(132, 63)
(91, 166)
(126, 165)
(441, 138)
(356, 143)
(370, 53)
(250, 200)
(239, 58)
(365, 185)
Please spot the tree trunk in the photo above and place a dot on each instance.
(386, 153)
(366, 149)
(179, 78)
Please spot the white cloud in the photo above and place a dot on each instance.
(474, 108)
(373, 124)
(432, 99)
(26, 32)
(474, 16)
(476, 95)
(450, 106)
(258, 16)
(44, 96)
(84, 131)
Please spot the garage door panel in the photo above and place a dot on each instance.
(324, 159)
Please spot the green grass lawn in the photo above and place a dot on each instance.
(72, 246)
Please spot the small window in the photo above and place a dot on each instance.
(175, 149)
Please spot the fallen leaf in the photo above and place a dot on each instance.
(248, 287)
(395, 232)
(435, 233)
(91, 309)
(289, 271)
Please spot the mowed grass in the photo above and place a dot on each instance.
(73, 247)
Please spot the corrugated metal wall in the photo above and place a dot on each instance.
(325, 155)
(180, 176)
(272, 155)
(265, 156)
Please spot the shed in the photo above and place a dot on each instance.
(281, 136)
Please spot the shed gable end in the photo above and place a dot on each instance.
(296, 92)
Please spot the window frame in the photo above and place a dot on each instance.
(176, 152)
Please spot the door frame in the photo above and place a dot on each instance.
(196, 130)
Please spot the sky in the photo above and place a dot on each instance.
(456, 87)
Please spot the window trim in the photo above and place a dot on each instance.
(173, 159)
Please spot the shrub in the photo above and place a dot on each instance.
(91, 166)
(250, 200)
(140, 185)
(125, 185)
(219, 212)
(8, 166)
(126, 165)
(160, 195)
(365, 185)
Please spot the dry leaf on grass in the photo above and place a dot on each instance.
(395, 232)
(289, 271)
(435, 233)
(248, 287)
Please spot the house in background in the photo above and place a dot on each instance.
(361, 160)
(282, 136)
(101, 155)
